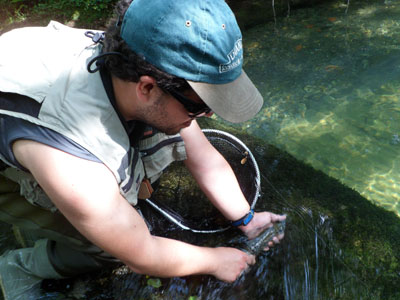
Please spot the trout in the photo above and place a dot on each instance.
(255, 246)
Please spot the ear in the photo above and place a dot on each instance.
(145, 88)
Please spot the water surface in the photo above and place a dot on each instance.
(330, 81)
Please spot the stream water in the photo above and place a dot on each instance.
(330, 75)
(307, 265)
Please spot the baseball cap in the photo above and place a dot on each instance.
(200, 41)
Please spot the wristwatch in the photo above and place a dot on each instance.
(244, 220)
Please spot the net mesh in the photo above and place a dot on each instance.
(241, 161)
(178, 190)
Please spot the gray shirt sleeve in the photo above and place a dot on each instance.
(13, 129)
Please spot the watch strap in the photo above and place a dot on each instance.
(244, 220)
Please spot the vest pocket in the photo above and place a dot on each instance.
(30, 189)
(159, 151)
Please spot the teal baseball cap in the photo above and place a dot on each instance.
(200, 41)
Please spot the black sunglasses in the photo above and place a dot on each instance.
(195, 109)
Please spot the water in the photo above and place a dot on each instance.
(330, 81)
(308, 265)
(332, 247)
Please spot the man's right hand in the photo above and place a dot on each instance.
(231, 263)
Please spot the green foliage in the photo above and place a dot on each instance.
(84, 5)
(87, 5)
(154, 282)
(89, 10)
(83, 13)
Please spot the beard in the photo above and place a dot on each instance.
(157, 116)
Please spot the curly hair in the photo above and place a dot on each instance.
(130, 66)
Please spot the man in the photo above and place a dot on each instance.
(74, 117)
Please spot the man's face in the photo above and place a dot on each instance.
(168, 115)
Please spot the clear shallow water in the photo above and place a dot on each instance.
(331, 84)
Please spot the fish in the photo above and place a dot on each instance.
(256, 246)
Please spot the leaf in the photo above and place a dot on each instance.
(154, 282)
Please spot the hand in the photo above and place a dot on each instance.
(259, 223)
(231, 263)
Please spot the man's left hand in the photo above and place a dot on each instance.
(259, 223)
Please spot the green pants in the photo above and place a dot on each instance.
(69, 252)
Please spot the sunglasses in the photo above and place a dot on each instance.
(195, 109)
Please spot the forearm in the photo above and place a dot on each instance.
(157, 256)
(213, 174)
(179, 259)
(222, 189)
(165, 257)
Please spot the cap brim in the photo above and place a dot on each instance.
(236, 102)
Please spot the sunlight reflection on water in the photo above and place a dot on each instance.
(332, 92)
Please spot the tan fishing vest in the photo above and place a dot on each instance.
(49, 65)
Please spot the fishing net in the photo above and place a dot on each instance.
(179, 199)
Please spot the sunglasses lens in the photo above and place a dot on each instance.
(195, 109)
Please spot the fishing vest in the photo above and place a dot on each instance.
(49, 65)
